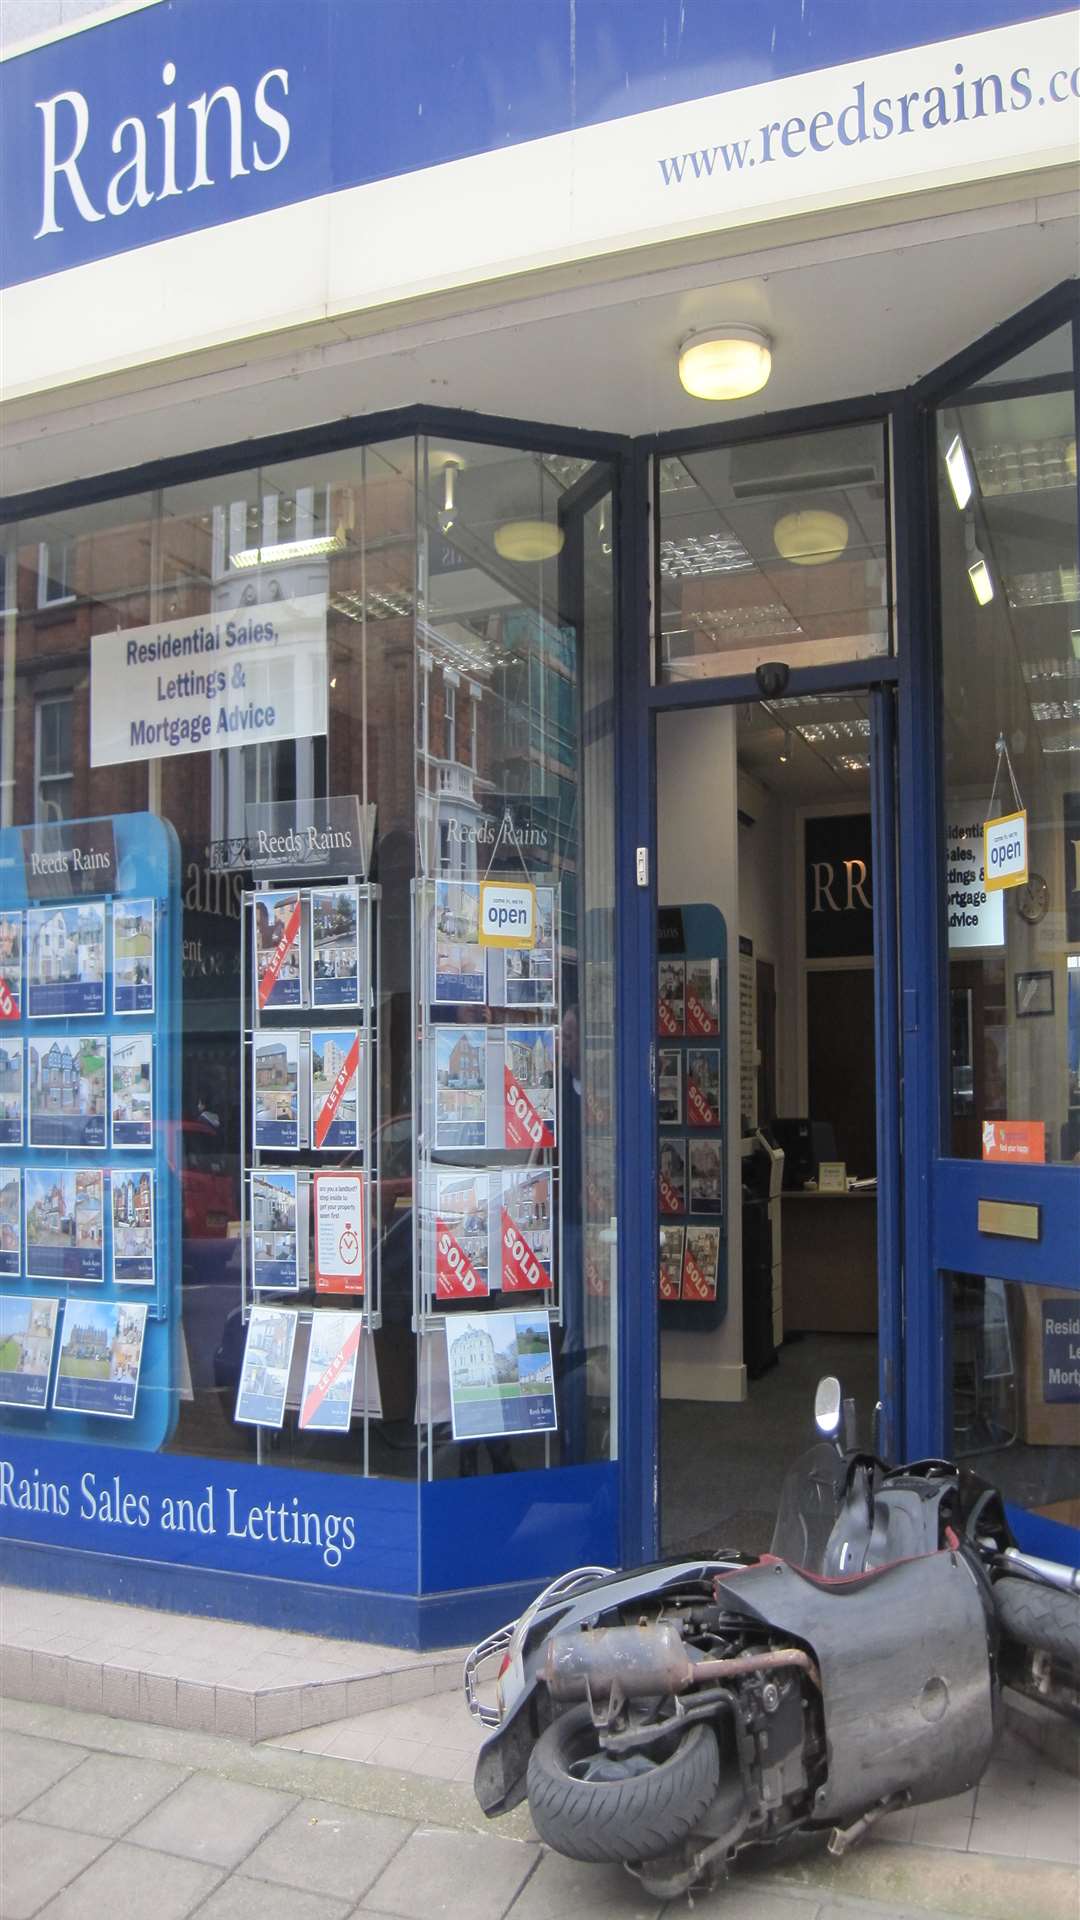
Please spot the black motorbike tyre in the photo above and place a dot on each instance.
(1041, 1617)
(637, 1818)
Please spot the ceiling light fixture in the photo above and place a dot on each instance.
(956, 466)
(528, 541)
(811, 538)
(289, 550)
(726, 363)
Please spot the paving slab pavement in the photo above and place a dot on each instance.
(175, 1825)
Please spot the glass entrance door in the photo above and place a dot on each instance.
(1007, 1218)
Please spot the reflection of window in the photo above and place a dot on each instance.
(56, 572)
(423, 690)
(54, 778)
(450, 711)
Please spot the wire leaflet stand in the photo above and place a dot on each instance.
(488, 1135)
(283, 1132)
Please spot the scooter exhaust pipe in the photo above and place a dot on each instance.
(652, 1660)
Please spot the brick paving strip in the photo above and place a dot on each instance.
(106, 1819)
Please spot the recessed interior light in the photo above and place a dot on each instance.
(726, 363)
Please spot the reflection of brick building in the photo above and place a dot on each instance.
(272, 1065)
(463, 1067)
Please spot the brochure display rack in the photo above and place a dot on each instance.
(90, 1136)
(691, 1099)
(487, 1254)
(310, 1107)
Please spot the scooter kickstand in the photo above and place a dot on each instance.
(841, 1838)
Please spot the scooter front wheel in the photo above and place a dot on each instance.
(591, 1805)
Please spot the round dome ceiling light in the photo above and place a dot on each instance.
(809, 539)
(528, 541)
(726, 363)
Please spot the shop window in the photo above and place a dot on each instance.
(1009, 590)
(55, 572)
(773, 549)
(255, 645)
(54, 779)
(1015, 1390)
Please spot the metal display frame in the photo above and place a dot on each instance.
(305, 1020)
(428, 1317)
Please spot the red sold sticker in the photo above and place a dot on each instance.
(671, 1199)
(701, 1113)
(695, 1286)
(8, 1009)
(667, 1021)
(455, 1276)
(699, 1019)
(522, 1272)
(524, 1127)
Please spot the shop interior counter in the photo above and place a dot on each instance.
(830, 1261)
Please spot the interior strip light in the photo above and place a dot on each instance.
(956, 466)
(288, 550)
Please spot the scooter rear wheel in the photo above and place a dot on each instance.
(590, 1806)
(1044, 1618)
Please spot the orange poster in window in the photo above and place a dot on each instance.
(1014, 1140)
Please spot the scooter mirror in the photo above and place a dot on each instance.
(828, 1403)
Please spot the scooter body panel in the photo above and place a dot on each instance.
(907, 1675)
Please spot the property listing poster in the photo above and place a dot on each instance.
(275, 1069)
(10, 1221)
(272, 1198)
(671, 1261)
(133, 956)
(131, 1080)
(525, 976)
(669, 1083)
(671, 1009)
(701, 1262)
(330, 1371)
(11, 964)
(337, 978)
(63, 1223)
(11, 1091)
(335, 1089)
(27, 1337)
(526, 1227)
(673, 1176)
(132, 1226)
(338, 1201)
(460, 1055)
(702, 997)
(703, 1087)
(65, 960)
(67, 1082)
(459, 971)
(101, 1346)
(264, 1374)
(502, 1379)
(706, 1177)
(276, 949)
(462, 1200)
(529, 1087)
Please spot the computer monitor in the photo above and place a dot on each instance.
(794, 1137)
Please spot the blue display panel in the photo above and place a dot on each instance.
(90, 1200)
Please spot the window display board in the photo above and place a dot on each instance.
(487, 1141)
(91, 1131)
(691, 1104)
(309, 961)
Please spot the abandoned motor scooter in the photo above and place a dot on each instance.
(669, 1717)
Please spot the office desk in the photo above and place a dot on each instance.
(830, 1262)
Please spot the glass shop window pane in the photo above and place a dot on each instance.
(774, 550)
(1015, 1390)
(1010, 627)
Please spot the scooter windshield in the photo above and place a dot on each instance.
(810, 1504)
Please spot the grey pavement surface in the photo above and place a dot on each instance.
(105, 1819)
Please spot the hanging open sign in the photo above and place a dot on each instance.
(1005, 855)
(507, 913)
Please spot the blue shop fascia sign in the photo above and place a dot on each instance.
(189, 114)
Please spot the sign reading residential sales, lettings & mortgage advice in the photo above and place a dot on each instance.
(214, 680)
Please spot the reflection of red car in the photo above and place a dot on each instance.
(207, 1186)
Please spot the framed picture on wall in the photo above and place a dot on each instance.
(1034, 994)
